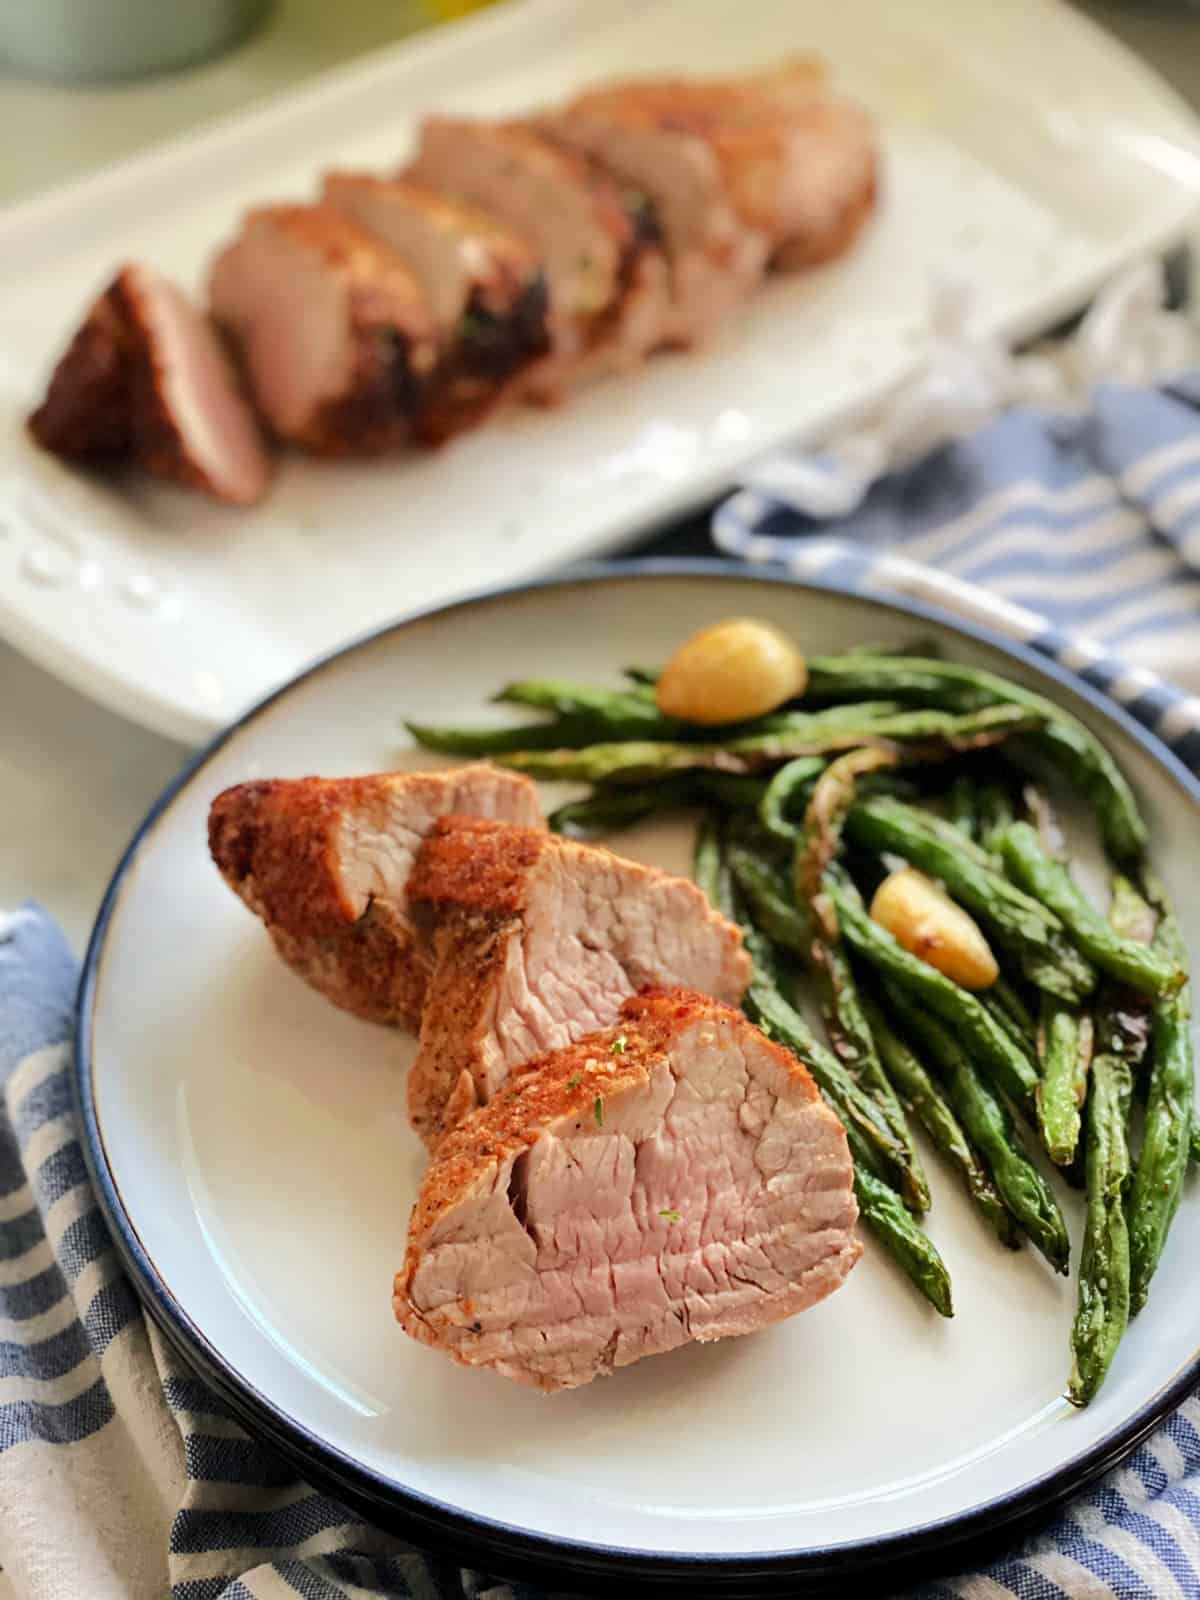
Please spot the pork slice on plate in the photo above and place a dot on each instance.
(336, 333)
(604, 271)
(483, 280)
(797, 162)
(536, 941)
(325, 863)
(674, 1177)
(147, 380)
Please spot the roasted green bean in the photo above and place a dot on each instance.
(1065, 1046)
(990, 1129)
(1077, 753)
(1163, 1159)
(812, 733)
(1143, 968)
(924, 1099)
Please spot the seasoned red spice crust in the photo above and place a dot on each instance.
(278, 845)
(470, 889)
(475, 865)
(275, 844)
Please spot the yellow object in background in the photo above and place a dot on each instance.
(445, 10)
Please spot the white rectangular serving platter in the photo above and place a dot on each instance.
(1027, 157)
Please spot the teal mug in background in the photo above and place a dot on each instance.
(92, 40)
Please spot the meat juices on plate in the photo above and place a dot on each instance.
(676, 1177)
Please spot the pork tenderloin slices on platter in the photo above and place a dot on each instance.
(147, 380)
(797, 163)
(336, 334)
(714, 257)
(536, 941)
(604, 269)
(484, 283)
(676, 1177)
(325, 863)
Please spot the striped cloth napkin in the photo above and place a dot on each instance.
(1067, 517)
(1078, 534)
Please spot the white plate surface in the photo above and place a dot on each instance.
(259, 1147)
(1027, 182)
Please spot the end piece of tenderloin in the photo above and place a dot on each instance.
(676, 1177)
(336, 334)
(147, 380)
(325, 863)
(797, 163)
(535, 941)
(484, 284)
(604, 269)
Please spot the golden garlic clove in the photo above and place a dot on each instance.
(924, 919)
(730, 672)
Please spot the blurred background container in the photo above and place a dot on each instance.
(86, 41)
(109, 39)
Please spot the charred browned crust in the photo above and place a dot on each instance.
(275, 844)
(568, 1083)
(377, 414)
(107, 400)
(86, 414)
(481, 369)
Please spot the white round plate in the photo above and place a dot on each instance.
(250, 1145)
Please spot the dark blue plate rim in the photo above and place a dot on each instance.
(499, 1547)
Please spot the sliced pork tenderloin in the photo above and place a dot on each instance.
(604, 269)
(715, 258)
(536, 941)
(325, 863)
(796, 163)
(809, 169)
(336, 332)
(675, 1177)
(147, 380)
(484, 283)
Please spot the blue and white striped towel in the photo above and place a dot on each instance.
(1082, 526)
(123, 1477)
